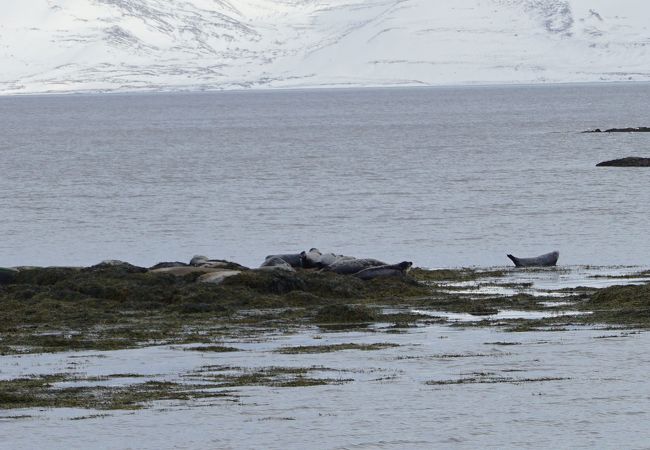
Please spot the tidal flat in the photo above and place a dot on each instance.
(469, 357)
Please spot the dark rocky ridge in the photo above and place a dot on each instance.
(621, 130)
(630, 161)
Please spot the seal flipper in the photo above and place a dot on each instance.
(514, 259)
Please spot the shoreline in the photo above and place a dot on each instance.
(198, 90)
(115, 305)
(99, 338)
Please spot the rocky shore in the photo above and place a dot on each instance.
(116, 305)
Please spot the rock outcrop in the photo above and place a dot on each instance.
(630, 161)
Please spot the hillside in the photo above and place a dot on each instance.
(107, 45)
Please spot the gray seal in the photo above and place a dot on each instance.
(314, 259)
(389, 270)
(275, 263)
(352, 266)
(293, 259)
(546, 260)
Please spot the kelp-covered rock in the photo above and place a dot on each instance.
(342, 313)
(186, 270)
(7, 275)
(115, 265)
(621, 304)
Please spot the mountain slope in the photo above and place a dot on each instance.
(101, 45)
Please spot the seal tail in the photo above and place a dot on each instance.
(514, 259)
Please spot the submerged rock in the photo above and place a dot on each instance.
(343, 313)
(630, 161)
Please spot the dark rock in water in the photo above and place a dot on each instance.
(630, 161)
(166, 265)
(621, 130)
(7, 275)
(629, 130)
(116, 266)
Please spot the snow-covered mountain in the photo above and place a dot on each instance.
(102, 45)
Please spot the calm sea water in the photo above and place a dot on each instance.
(438, 176)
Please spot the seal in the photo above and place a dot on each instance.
(203, 261)
(218, 276)
(545, 260)
(352, 266)
(293, 259)
(314, 259)
(389, 270)
(167, 264)
(275, 263)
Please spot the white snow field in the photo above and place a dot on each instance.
(130, 45)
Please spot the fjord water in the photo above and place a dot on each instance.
(454, 176)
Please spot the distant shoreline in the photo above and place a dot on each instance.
(185, 90)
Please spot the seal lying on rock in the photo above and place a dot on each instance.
(546, 260)
(352, 266)
(314, 259)
(276, 263)
(293, 259)
(203, 261)
(217, 276)
(388, 270)
(167, 264)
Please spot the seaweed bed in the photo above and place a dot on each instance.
(109, 307)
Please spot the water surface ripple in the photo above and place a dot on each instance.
(439, 176)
